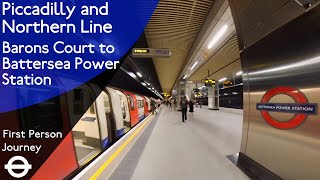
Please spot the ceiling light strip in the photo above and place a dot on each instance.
(194, 65)
(223, 79)
(218, 36)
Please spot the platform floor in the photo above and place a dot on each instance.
(196, 149)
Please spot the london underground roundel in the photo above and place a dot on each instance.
(301, 107)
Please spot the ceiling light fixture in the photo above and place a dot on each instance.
(144, 84)
(218, 36)
(140, 75)
(223, 79)
(185, 76)
(132, 74)
(194, 65)
(239, 73)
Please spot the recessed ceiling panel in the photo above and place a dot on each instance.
(219, 35)
(224, 62)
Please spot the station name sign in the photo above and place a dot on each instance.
(301, 108)
(310, 108)
(150, 53)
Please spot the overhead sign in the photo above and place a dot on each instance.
(197, 95)
(228, 83)
(142, 51)
(209, 82)
(166, 95)
(301, 108)
(150, 53)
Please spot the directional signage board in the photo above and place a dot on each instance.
(150, 53)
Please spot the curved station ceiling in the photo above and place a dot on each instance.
(201, 36)
(175, 24)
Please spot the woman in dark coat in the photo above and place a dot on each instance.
(191, 106)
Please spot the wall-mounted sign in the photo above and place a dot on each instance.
(209, 82)
(301, 108)
(150, 53)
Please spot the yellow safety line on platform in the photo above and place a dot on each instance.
(117, 152)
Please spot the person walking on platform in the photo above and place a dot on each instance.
(191, 103)
(174, 104)
(184, 108)
(153, 106)
(159, 103)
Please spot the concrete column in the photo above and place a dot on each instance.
(213, 97)
(189, 88)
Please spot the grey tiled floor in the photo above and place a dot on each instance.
(196, 149)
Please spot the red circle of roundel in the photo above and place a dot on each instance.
(298, 98)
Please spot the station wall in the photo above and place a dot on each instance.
(282, 69)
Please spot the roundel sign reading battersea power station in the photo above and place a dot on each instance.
(301, 107)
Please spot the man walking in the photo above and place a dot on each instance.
(153, 106)
(184, 106)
